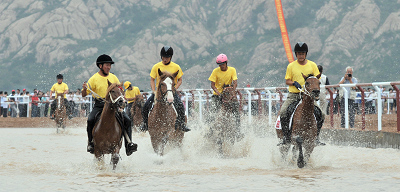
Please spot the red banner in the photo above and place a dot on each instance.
(282, 25)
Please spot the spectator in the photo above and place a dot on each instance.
(24, 105)
(324, 81)
(13, 106)
(4, 104)
(351, 93)
(392, 100)
(372, 99)
(35, 102)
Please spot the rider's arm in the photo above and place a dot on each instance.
(214, 88)
(289, 82)
(66, 91)
(234, 82)
(51, 94)
(152, 84)
(178, 83)
(84, 89)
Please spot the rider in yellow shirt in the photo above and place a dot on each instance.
(166, 65)
(224, 75)
(59, 87)
(130, 93)
(295, 80)
(98, 83)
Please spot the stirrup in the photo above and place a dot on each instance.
(144, 127)
(283, 142)
(90, 148)
(130, 148)
(319, 143)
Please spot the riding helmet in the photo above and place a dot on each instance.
(221, 59)
(104, 59)
(301, 47)
(166, 51)
(127, 84)
(60, 76)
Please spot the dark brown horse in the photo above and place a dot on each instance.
(162, 118)
(136, 111)
(304, 125)
(107, 132)
(60, 114)
(223, 132)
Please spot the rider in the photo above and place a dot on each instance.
(224, 75)
(295, 80)
(59, 87)
(130, 93)
(98, 85)
(166, 65)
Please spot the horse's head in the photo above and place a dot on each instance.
(311, 86)
(115, 96)
(166, 87)
(139, 101)
(228, 94)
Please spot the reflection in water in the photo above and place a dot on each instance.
(39, 159)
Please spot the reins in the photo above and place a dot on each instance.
(103, 99)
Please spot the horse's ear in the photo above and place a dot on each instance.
(318, 76)
(109, 83)
(175, 74)
(159, 72)
(305, 77)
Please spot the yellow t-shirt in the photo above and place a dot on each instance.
(294, 72)
(99, 84)
(222, 78)
(132, 93)
(171, 68)
(60, 88)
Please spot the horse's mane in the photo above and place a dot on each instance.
(309, 75)
(112, 86)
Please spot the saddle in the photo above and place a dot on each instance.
(291, 109)
(118, 116)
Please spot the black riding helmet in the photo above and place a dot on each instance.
(301, 47)
(166, 51)
(60, 76)
(103, 59)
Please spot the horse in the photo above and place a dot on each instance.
(107, 132)
(224, 132)
(304, 125)
(60, 114)
(136, 111)
(162, 117)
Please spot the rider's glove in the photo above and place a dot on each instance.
(297, 85)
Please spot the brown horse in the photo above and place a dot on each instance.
(107, 132)
(224, 132)
(60, 114)
(136, 111)
(304, 125)
(162, 118)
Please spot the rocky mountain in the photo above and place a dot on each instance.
(39, 39)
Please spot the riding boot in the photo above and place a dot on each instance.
(285, 130)
(320, 121)
(145, 113)
(180, 120)
(90, 146)
(52, 109)
(130, 147)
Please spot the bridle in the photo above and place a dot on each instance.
(305, 91)
(164, 94)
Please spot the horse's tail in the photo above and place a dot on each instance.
(300, 159)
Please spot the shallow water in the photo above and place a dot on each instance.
(39, 159)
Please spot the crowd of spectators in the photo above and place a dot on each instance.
(16, 104)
